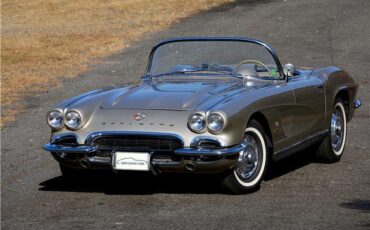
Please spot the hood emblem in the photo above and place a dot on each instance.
(139, 116)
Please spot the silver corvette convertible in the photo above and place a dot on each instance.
(220, 105)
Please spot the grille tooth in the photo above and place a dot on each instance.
(137, 142)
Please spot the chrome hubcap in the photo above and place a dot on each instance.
(337, 129)
(248, 158)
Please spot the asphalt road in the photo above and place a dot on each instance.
(298, 194)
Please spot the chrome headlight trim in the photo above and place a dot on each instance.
(197, 122)
(55, 119)
(216, 122)
(73, 120)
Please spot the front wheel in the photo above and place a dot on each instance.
(252, 161)
(332, 147)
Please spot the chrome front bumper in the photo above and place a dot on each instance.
(197, 159)
(69, 149)
(227, 151)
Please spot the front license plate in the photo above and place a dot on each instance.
(131, 161)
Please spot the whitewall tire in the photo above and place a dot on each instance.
(332, 147)
(252, 161)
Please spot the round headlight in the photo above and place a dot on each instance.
(197, 122)
(216, 122)
(73, 120)
(55, 119)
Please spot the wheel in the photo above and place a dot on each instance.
(252, 161)
(331, 148)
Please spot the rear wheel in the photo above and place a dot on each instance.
(332, 147)
(252, 162)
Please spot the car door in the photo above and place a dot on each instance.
(309, 111)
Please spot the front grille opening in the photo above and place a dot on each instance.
(67, 141)
(208, 144)
(137, 143)
(105, 154)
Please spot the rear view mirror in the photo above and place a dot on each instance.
(289, 70)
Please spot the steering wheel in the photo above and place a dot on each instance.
(253, 61)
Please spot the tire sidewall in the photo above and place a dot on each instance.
(340, 104)
(260, 136)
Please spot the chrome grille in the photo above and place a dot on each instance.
(137, 143)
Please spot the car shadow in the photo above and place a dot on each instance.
(138, 183)
(357, 204)
(290, 164)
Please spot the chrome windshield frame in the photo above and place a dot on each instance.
(226, 39)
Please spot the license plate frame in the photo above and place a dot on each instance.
(131, 161)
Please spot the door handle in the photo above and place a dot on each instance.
(320, 86)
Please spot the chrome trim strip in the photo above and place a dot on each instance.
(210, 152)
(322, 87)
(69, 149)
(357, 104)
(93, 135)
(300, 145)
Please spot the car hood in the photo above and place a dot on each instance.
(170, 94)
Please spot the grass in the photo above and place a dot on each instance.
(44, 40)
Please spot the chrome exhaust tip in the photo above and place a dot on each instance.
(85, 163)
(190, 166)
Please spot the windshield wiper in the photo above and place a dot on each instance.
(178, 72)
(195, 71)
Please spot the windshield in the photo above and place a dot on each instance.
(214, 56)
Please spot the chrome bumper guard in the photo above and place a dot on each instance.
(357, 104)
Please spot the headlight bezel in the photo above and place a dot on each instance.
(204, 118)
(76, 114)
(62, 123)
(221, 117)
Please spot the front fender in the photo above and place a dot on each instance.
(338, 81)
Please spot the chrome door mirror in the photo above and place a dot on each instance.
(289, 70)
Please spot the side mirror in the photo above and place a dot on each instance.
(289, 70)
